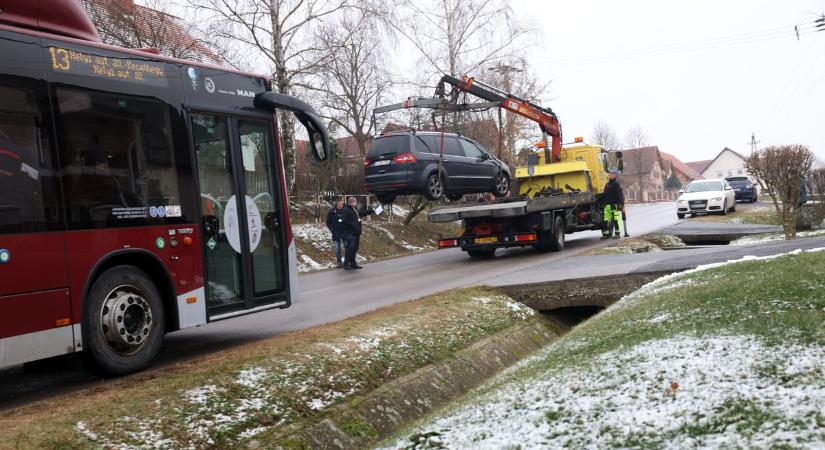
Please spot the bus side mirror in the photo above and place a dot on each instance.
(318, 135)
(619, 162)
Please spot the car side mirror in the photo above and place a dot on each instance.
(318, 135)
(485, 156)
(681, 191)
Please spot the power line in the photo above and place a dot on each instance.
(704, 44)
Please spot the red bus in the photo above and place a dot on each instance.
(139, 194)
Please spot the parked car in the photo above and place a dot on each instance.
(743, 188)
(406, 163)
(706, 196)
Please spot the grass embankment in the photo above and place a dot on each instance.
(256, 394)
(381, 238)
(727, 357)
(647, 243)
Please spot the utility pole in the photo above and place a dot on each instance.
(753, 143)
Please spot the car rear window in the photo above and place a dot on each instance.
(739, 183)
(388, 147)
(431, 143)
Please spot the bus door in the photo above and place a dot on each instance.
(243, 240)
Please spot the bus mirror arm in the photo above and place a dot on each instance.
(318, 135)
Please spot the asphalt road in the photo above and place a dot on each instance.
(336, 294)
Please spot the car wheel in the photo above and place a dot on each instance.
(385, 198)
(733, 207)
(434, 188)
(725, 208)
(481, 253)
(502, 185)
(454, 197)
(680, 215)
(123, 321)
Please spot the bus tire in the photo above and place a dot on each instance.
(123, 321)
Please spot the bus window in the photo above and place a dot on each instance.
(27, 188)
(118, 160)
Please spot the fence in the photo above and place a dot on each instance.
(315, 207)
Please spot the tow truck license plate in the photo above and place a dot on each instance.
(486, 240)
(384, 162)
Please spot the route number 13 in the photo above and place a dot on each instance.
(60, 58)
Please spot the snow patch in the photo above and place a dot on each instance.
(764, 238)
(652, 393)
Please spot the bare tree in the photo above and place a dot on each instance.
(278, 31)
(780, 170)
(636, 138)
(149, 25)
(604, 135)
(516, 76)
(460, 36)
(349, 85)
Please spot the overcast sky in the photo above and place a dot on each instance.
(692, 103)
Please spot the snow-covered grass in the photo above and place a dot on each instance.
(262, 391)
(774, 237)
(729, 355)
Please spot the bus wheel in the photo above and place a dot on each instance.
(123, 321)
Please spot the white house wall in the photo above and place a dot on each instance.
(728, 164)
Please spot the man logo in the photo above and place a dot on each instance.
(209, 85)
(244, 93)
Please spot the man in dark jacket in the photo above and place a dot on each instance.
(352, 231)
(613, 204)
(335, 223)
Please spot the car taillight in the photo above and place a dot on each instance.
(367, 163)
(405, 158)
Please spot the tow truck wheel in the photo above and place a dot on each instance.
(123, 321)
(558, 235)
(434, 188)
(481, 253)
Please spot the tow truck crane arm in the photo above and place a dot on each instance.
(545, 117)
(494, 98)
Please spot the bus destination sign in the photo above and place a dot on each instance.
(110, 67)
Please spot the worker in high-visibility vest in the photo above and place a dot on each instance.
(613, 205)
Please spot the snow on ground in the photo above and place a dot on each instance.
(670, 393)
(763, 238)
(678, 392)
(315, 234)
(307, 264)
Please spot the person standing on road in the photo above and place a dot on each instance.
(613, 201)
(352, 231)
(335, 223)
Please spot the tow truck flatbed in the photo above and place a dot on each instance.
(513, 207)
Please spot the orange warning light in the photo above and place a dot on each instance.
(579, 139)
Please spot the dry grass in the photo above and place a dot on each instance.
(258, 391)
